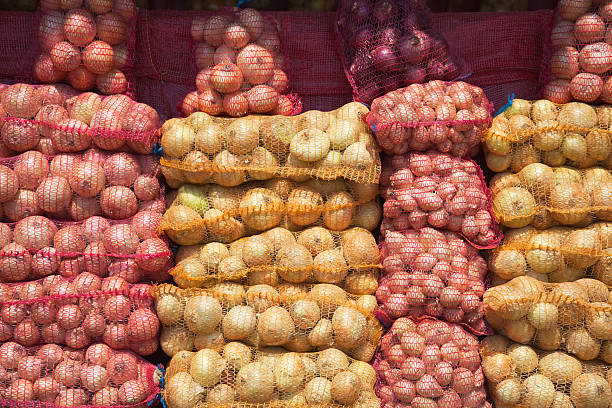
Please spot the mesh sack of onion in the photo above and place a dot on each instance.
(76, 186)
(236, 374)
(445, 116)
(569, 316)
(519, 375)
(80, 311)
(349, 259)
(56, 119)
(201, 214)
(242, 66)
(441, 191)
(52, 376)
(429, 363)
(578, 55)
(558, 254)
(573, 134)
(88, 45)
(387, 44)
(428, 273)
(299, 318)
(228, 152)
(543, 196)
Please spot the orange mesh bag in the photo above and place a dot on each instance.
(52, 376)
(544, 196)
(558, 254)
(441, 191)
(446, 116)
(349, 259)
(201, 214)
(574, 134)
(80, 311)
(429, 364)
(78, 186)
(242, 66)
(228, 152)
(431, 273)
(35, 247)
(57, 119)
(569, 316)
(299, 318)
(522, 376)
(238, 375)
(578, 54)
(87, 44)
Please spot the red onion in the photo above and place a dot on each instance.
(360, 11)
(385, 59)
(414, 75)
(389, 36)
(384, 11)
(414, 46)
(361, 66)
(363, 38)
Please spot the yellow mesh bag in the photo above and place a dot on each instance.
(300, 318)
(558, 254)
(210, 213)
(544, 196)
(228, 152)
(573, 134)
(349, 259)
(571, 316)
(520, 376)
(236, 375)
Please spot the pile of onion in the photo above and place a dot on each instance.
(86, 45)
(57, 119)
(429, 364)
(225, 214)
(441, 191)
(238, 374)
(581, 53)
(61, 376)
(349, 259)
(519, 375)
(433, 273)
(300, 318)
(241, 66)
(570, 316)
(79, 312)
(71, 186)
(325, 145)
(574, 134)
(446, 116)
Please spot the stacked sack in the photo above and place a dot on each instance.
(276, 268)
(436, 216)
(552, 192)
(80, 203)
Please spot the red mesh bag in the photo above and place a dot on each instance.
(35, 247)
(449, 117)
(441, 191)
(78, 186)
(387, 44)
(52, 376)
(241, 64)
(56, 118)
(78, 312)
(429, 364)
(87, 45)
(431, 273)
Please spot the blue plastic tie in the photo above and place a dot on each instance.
(506, 106)
(174, 249)
(365, 104)
(157, 150)
(162, 382)
(241, 2)
(374, 127)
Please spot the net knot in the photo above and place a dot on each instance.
(507, 105)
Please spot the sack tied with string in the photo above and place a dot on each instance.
(56, 119)
(80, 311)
(349, 259)
(326, 145)
(569, 316)
(428, 273)
(299, 318)
(87, 45)
(445, 116)
(201, 214)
